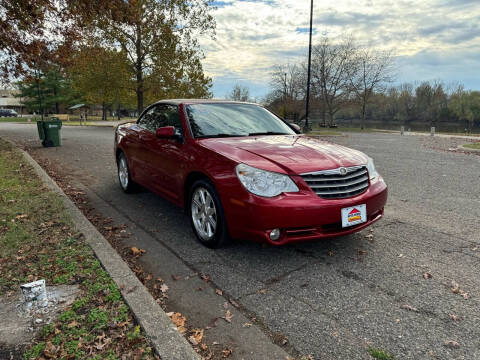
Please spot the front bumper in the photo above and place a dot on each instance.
(300, 216)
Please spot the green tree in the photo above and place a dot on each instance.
(46, 92)
(466, 106)
(159, 40)
(102, 76)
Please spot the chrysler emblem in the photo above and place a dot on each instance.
(343, 171)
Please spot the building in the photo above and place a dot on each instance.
(9, 101)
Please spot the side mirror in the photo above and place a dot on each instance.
(296, 127)
(165, 132)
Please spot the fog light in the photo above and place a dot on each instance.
(275, 234)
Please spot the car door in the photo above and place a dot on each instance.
(134, 146)
(164, 157)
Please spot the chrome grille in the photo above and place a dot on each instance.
(338, 183)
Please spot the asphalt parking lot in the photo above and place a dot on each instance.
(413, 289)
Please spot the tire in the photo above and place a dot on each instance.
(124, 178)
(207, 216)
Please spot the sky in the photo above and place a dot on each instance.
(431, 39)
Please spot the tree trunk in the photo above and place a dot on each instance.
(118, 111)
(104, 114)
(364, 110)
(139, 69)
(139, 92)
(330, 115)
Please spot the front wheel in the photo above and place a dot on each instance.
(206, 215)
(124, 177)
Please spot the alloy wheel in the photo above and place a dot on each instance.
(204, 213)
(123, 172)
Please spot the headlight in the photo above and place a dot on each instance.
(371, 169)
(264, 183)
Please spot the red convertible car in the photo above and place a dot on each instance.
(239, 171)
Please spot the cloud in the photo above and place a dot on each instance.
(427, 36)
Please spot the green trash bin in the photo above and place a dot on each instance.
(49, 132)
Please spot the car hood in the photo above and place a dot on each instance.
(291, 154)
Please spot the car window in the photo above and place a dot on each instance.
(161, 115)
(148, 119)
(231, 119)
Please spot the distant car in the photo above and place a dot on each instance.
(8, 113)
(239, 171)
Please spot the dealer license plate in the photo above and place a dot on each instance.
(354, 215)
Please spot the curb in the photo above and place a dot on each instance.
(167, 341)
(467, 149)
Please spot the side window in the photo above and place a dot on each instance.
(161, 115)
(147, 121)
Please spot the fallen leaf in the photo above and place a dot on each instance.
(451, 344)
(427, 275)
(72, 324)
(453, 317)
(149, 277)
(330, 253)
(170, 314)
(361, 252)
(262, 291)
(22, 216)
(50, 350)
(204, 347)
(226, 353)
(179, 322)
(410, 308)
(205, 277)
(163, 288)
(196, 337)
(228, 316)
(175, 277)
(136, 251)
(219, 292)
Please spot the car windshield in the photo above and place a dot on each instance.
(230, 119)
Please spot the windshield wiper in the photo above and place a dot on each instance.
(268, 133)
(219, 136)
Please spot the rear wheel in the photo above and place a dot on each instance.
(207, 216)
(124, 177)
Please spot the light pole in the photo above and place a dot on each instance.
(307, 110)
(285, 97)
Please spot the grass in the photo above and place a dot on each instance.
(13, 119)
(380, 354)
(472, 145)
(37, 241)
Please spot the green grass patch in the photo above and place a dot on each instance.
(380, 354)
(473, 145)
(37, 241)
(14, 119)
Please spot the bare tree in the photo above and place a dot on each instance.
(239, 93)
(371, 72)
(288, 86)
(332, 67)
